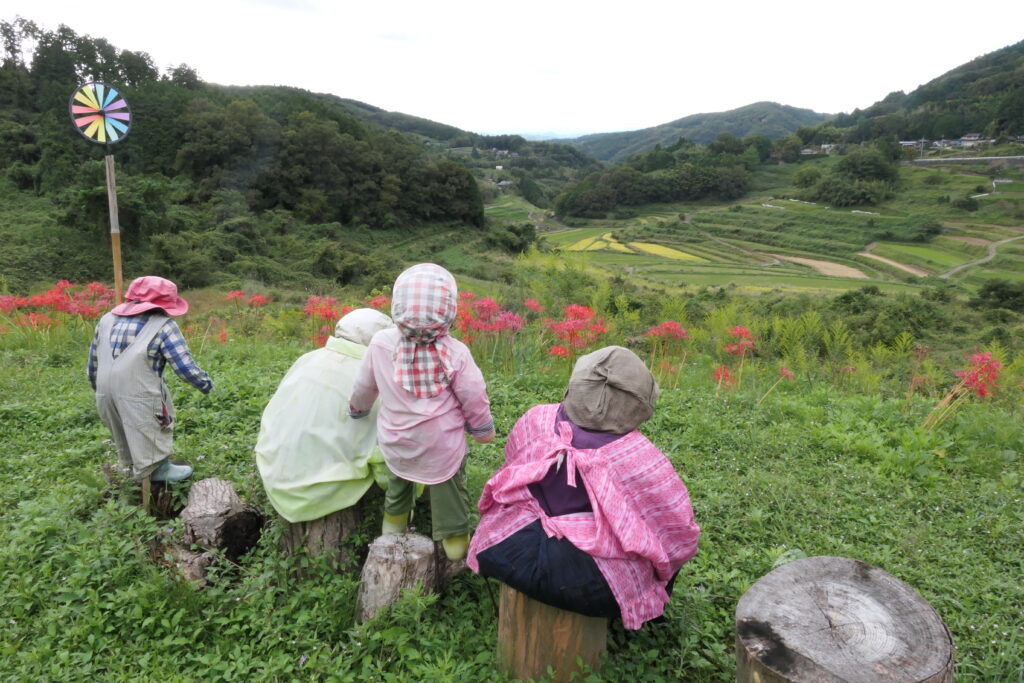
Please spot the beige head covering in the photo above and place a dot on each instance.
(360, 325)
(610, 390)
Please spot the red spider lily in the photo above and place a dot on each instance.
(486, 308)
(739, 332)
(257, 300)
(723, 377)
(978, 378)
(9, 303)
(36, 320)
(378, 302)
(739, 349)
(786, 373)
(578, 312)
(981, 376)
(235, 295)
(533, 305)
(668, 330)
(319, 340)
(63, 285)
(578, 330)
(223, 335)
(558, 351)
(345, 310)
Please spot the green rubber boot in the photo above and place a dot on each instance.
(456, 547)
(395, 524)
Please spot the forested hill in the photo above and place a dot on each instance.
(985, 95)
(219, 182)
(768, 119)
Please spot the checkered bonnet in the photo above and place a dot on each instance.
(423, 305)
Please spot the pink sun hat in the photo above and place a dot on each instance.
(149, 292)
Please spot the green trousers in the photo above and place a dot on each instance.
(449, 503)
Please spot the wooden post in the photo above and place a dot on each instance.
(838, 619)
(115, 228)
(533, 636)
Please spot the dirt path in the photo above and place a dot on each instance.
(913, 270)
(991, 255)
(825, 267)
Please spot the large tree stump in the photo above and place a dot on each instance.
(533, 636)
(395, 563)
(838, 619)
(327, 535)
(216, 518)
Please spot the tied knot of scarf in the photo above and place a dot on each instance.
(563, 452)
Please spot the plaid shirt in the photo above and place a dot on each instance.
(423, 308)
(641, 529)
(168, 346)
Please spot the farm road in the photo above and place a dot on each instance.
(913, 270)
(991, 255)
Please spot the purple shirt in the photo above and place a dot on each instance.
(553, 492)
(422, 439)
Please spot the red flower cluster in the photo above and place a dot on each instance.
(744, 343)
(785, 373)
(257, 301)
(723, 377)
(483, 316)
(982, 374)
(533, 305)
(379, 302)
(579, 329)
(321, 307)
(667, 330)
(85, 301)
(235, 295)
(739, 349)
(558, 351)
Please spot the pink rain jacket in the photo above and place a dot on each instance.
(641, 530)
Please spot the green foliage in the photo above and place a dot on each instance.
(765, 120)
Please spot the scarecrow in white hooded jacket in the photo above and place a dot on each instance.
(314, 459)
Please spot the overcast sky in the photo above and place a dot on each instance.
(565, 67)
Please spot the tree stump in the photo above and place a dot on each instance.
(396, 562)
(838, 619)
(533, 636)
(216, 518)
(326, 535)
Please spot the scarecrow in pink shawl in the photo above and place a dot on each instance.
(586, 514)
(431, 393)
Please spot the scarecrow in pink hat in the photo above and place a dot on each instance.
(431, 394)
(130, 348)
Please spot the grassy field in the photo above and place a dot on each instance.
(737, 240)
(817, 468)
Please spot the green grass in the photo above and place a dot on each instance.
(815, 469)
(931, 258)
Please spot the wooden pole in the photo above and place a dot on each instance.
(115, 229)
(838, 619)
(533, 636)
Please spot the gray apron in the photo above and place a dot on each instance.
(132, 400)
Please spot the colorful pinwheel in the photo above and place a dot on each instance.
(100, 113)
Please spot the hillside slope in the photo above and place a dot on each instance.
(769, 119)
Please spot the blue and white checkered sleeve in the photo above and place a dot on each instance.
(174, 350)
(90, 368)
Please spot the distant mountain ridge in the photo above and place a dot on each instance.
(769, 119)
